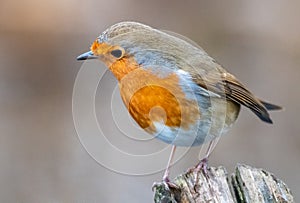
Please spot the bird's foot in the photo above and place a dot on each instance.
(201, 166)
(166, 183)
(166, 191)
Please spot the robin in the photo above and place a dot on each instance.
(172, 88)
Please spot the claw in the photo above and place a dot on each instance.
(168, 185)
(202, 165)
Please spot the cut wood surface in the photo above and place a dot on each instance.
(246, 184)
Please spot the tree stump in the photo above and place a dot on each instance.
(246, 184)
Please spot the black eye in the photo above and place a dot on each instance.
(117, 53)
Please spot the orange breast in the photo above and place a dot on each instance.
(150, 98)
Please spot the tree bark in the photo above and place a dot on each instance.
(246, 184)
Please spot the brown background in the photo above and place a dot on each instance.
(41, 157)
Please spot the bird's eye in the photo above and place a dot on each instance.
(117, 53)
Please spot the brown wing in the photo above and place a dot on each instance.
(228, 86)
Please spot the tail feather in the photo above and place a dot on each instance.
(270, 106)
(264, 116)
(264, 107)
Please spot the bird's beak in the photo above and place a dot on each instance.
(87, 55)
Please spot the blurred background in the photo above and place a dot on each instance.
(42, 159)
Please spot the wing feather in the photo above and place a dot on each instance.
(228, 86)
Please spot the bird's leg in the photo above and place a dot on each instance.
(203, 162)
(166, 180)
(167, 171)
(202, 165)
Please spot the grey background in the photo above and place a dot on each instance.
(41, 157)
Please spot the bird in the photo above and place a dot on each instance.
(172, 88)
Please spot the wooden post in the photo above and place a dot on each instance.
(246, 184)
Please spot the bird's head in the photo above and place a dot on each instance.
(115, 42)
(127, 45)
(119, 46)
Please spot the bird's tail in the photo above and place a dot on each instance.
(263, 113)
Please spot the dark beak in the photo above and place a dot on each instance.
(87, 55)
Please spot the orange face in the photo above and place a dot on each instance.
(100, 48)
(114, 58)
